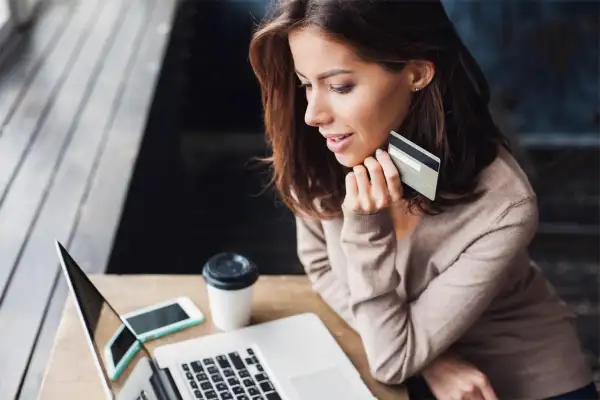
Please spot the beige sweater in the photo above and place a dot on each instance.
(461, 280)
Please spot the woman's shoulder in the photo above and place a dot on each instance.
(505, 175)
(504, 188)
(507, 201)
(504, 181)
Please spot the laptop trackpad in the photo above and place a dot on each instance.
(326, 384)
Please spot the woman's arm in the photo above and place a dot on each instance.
(312, 252)
(400, 338)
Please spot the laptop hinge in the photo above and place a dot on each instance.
(166, 383)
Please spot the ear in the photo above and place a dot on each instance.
(421, 74)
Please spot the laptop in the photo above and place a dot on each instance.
(293, 358)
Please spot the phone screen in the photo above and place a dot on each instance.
(157, 318)
(121, 345)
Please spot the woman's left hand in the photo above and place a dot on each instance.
(451, 378)
(368, 196)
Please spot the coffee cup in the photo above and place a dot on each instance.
(229, 280)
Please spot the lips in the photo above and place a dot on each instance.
(337, 138)
(338, 142)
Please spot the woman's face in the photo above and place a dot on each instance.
(347, 96)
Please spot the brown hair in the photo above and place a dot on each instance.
(449, 117)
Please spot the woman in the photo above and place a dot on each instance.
(441, 291)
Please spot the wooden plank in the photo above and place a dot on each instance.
(34, 172)
(155, 36)
(102, 209)
(59, 214)
(145, 71)
(33, 375)
(28, 55)
(19, 134)
(20, 317)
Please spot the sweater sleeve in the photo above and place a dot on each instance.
(312, 253)
(401, 337)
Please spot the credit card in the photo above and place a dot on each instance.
(418, 168)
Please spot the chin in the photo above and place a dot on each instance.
(349, 160)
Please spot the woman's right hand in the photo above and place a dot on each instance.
(373, 186)
(451, 378)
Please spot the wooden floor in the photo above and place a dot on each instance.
(75, 92)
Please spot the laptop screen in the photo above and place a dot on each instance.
(116, 348)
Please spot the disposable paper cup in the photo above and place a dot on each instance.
(229, 279)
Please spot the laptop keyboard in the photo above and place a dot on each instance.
(142, 396)
(231, 376)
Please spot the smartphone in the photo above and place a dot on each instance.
(119, 351)
(148, 323)
(163, 318)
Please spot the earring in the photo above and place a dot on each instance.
(417, 89)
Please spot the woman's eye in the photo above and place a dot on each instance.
(341, 89)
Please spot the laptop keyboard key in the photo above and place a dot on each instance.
(221, 387)
(208, 361)
(223, 361)
(233, 381)
(250, 351)
(198, 394)
(273, 396)
(189, 376)
(185, 367)
(194, 385)
(258, 398)
(242, 397)
(201, 377)
(259, 367)
(248, 382)
(228, 373)
(212, 369)
(249, 361)
(211, 394)
(236, 360)
(216, 378)
(226, 396)
(238, 390)
(206, 385)
(266, 386)
(244, 373)
(197, 367)
(261, 377)
(253, 391)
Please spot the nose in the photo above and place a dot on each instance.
(317, 111)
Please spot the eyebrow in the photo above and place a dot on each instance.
(328, 74)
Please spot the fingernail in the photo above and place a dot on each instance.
(379, 152)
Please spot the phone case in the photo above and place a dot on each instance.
(120, 367)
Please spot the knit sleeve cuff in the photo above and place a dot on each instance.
(379, 223)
